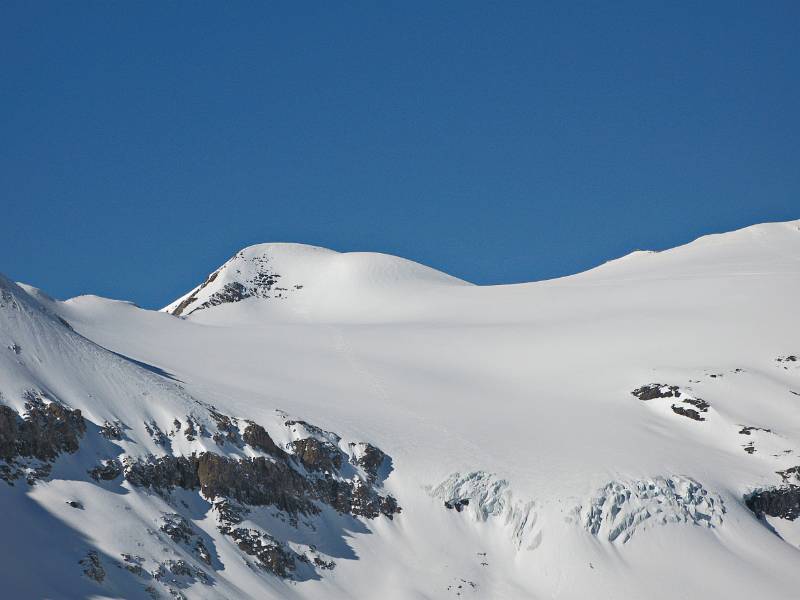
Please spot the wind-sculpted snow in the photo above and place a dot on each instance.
(486, 497)
(621, 508)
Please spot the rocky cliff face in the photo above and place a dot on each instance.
(46, 429)
(781, 502)
(312, 474)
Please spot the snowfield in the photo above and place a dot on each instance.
(311, 424)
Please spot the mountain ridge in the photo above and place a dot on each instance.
(281, 270)
(587, 436)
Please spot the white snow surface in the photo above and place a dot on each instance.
(517, 397)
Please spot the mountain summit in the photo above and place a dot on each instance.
(280, 271)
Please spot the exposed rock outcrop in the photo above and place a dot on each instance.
(230, 292)
(179, 573)
(792, 473)
(181, 531)
(271, 555)
(782, 502)
(687, 412)
(788, 359)
(355, 497)
(259, 482)
(654, 391)
(162, 474)
(316, 455)
(46, 429)
(108, 470)
(369, 458)
(159, 437)
(257, 437)
(92, 567)
(193, 429)
(306, 429)
(747, 429)
(227, 428)
(245, 275)
(183, 305)
(112, 430)
(133, 564)
(651, 391)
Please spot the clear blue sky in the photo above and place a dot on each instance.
(143, 143)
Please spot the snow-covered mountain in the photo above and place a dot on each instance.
(338, 286)
(311, 424)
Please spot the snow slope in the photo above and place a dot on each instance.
(513, 405)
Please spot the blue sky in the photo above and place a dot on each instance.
(144, 143)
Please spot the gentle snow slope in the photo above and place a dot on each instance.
(515, 398)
